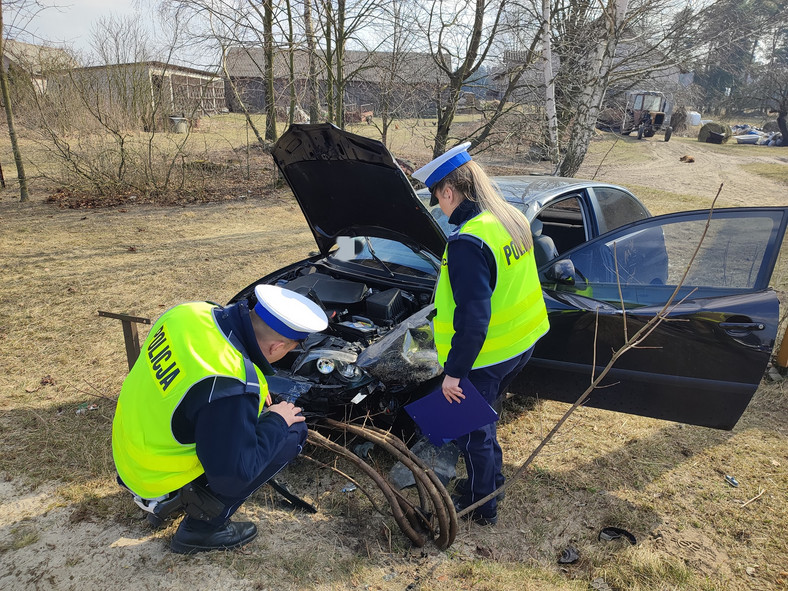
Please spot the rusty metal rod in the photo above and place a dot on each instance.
(438, 495)
(416, 518)
(347, 477)
(319, 440)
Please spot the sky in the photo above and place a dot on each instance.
(70, 22)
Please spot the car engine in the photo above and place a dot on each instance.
(377, 353)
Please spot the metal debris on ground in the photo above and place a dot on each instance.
(600, 585)
(442, 460)
(731, 480)
(85, 407)
(569, 555)
(613, 533)
(362, 449)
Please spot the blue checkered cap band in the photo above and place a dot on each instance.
(289, 313)
(436, 170)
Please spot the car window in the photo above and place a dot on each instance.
(564, 223)
(617, 208)
(652, 103)
(649, 262)
(381, 253)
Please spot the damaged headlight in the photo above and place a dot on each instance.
(350, 371)
(325, 366)
(329, 362)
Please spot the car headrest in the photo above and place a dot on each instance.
(536, 227)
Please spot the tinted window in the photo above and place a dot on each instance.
(617, 208)
(650, 262)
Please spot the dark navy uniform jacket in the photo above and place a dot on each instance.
(472, 273)
(233, 445)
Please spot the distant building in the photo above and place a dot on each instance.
(153, 87)
(406, 83)
(35, 61)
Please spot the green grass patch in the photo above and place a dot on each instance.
(773, 172)
(660, 202)
(22, 535)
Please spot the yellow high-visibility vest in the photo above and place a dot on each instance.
(184, 347)
(518, 317)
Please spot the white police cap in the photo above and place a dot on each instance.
(289, 313)
(436, 170)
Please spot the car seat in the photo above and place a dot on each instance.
(544, 247)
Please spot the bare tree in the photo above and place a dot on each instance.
(460, 37)
(593, 84)
(313, 92)
(341, 23)
(238, 25)
(9, 114)
(549, 82)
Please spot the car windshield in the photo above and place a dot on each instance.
(380, 253)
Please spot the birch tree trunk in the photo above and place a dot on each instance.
(340, 61)
(594, 87)
(549, 82)
(290, 63)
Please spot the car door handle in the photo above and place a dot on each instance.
(741, 326)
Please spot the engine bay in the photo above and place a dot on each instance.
(376, 353)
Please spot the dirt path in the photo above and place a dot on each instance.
(659, 167)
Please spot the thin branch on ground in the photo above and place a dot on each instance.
(755, 498)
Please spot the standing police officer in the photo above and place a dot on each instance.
(490, 309)
(190, 432)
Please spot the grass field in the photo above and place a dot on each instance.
(65, 524)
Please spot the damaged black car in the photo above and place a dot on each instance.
(605, 264)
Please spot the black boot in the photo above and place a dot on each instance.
(461, 488)
(477, 516)
(191, 538)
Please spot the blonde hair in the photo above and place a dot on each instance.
(474, 184)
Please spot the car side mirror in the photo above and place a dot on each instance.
(562, 271)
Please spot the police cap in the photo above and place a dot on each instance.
(436, 170)
(289, 313)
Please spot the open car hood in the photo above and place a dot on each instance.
(349, 185)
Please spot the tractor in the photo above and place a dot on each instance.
(647, 112)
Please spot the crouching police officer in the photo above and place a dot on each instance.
(190, 432)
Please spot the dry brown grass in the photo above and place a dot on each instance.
(662, 481)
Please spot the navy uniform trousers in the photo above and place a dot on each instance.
(287, 451)
(480, 449)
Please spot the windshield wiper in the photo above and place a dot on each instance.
(377, 258)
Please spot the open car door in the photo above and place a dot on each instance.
(703, 362)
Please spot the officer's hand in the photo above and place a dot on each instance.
(288, 411)
(451, 389)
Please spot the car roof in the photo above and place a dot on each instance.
(535, 191)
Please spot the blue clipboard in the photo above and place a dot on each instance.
(441, 421)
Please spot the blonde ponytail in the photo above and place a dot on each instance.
(474, 184)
